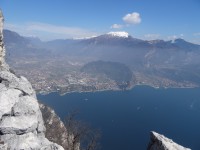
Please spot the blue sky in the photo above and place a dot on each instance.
(145, 19)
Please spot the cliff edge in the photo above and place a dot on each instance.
(160, 142)
(21, 122)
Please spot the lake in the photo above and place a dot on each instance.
(127, 117)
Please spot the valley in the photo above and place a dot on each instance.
(57, 66)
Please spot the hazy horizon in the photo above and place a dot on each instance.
(158, 19)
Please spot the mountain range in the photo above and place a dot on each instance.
(155, 62)
(111, 46)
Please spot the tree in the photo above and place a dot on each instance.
(80, 134)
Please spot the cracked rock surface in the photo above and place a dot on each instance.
(21, 122)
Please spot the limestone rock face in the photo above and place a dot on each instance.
(2, 48)
(15, 82)
(55, 128)
(160, 142)
(21, 122)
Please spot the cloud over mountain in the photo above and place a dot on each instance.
(133, 18)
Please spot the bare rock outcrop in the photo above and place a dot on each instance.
(160, 142)
(56, 131)
(21, 122)
(55, 128)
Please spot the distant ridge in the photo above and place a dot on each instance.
(160, 63)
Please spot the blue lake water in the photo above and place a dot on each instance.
(126, 117)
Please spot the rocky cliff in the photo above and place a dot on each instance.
(56, 131)
(160, 142)
(2, 48)
(21, 122)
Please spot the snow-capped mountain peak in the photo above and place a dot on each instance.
(119, 34)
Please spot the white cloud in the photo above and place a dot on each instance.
(133, 18)
(129, 19)
(151, 36)
(116, 26)
(48, 31)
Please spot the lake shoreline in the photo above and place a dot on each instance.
(128, 89)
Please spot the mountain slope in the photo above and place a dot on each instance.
(118, 72)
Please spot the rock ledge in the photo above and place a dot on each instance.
(160, 142)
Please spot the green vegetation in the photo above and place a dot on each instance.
(118, 72)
